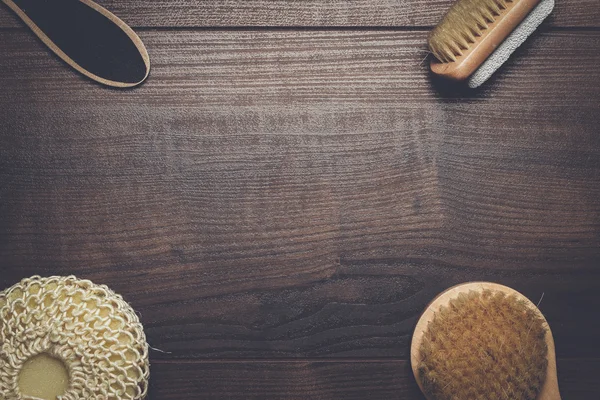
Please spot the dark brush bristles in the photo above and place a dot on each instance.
(463, 23)
(484, 345)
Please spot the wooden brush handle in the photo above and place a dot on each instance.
(88, 38)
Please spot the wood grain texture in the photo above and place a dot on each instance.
(375, 380)
(284, 380)
(285, 71)
(305, 194)
(281, 205)
(307, 13)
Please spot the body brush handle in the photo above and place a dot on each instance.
(87, 37)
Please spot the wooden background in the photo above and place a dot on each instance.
(291, 187)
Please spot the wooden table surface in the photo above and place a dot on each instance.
(291, 187)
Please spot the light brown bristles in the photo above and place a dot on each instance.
(473, 30)
(462, 25)
(484, 345)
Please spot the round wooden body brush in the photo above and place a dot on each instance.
(87, 37)
(476, 37)
(482, 340)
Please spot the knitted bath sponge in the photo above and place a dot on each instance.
(484, 345)
(90, 329)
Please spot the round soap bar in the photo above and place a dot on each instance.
(65, 338)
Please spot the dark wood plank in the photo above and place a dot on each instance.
(283, 380)
(321, 71)
(363, 310)
(375, 380)
(305, 194)
(306, 13)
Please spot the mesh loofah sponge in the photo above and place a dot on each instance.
(86, 327)
(484, 345)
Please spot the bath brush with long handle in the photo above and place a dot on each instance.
(484, 340)
(87, 37)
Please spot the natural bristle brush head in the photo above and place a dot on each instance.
(476, 37)
(481, 334)
(484, 341)
(466, 21)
